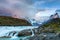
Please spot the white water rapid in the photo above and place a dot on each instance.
(13, 31)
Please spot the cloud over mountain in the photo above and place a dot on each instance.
(29, 8)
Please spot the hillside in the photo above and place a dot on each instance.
(9, 21)
(52, 25)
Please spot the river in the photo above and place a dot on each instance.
(4, 31)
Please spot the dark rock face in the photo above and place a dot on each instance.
(25, 33)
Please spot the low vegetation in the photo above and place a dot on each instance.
(9, 21)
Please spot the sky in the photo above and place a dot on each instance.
(29, 8)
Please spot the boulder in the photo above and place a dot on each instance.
(26, 32)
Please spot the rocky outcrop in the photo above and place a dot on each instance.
(26, 32)
(45, 36)
(29, 32)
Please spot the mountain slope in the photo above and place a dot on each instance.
(52, 25)
(9, 21)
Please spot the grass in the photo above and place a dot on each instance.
(9, 21)
(53, 24)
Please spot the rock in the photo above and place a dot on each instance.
(29, 32)
(36, 37)
(36, 31)
(45, 36)
(26, 32)
(58, 34)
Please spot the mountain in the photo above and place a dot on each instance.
(49, 30)
(10, 21)
(52, 25)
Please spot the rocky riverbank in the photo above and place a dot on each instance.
(46, 36)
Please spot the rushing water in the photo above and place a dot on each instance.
(5, 31)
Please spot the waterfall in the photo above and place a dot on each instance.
(15, 36)
(11, 34)
(32, 32)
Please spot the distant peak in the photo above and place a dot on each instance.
(54, 16)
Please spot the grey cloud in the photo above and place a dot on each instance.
(5, 12)
(29, 2)
(19, 6)
(3, 1)
(26, 6)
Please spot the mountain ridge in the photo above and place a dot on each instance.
(10, 21)
(53, 24)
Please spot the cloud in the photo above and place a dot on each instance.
(44, 13)
(29, 8)
(5, 12)
(3, 1)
